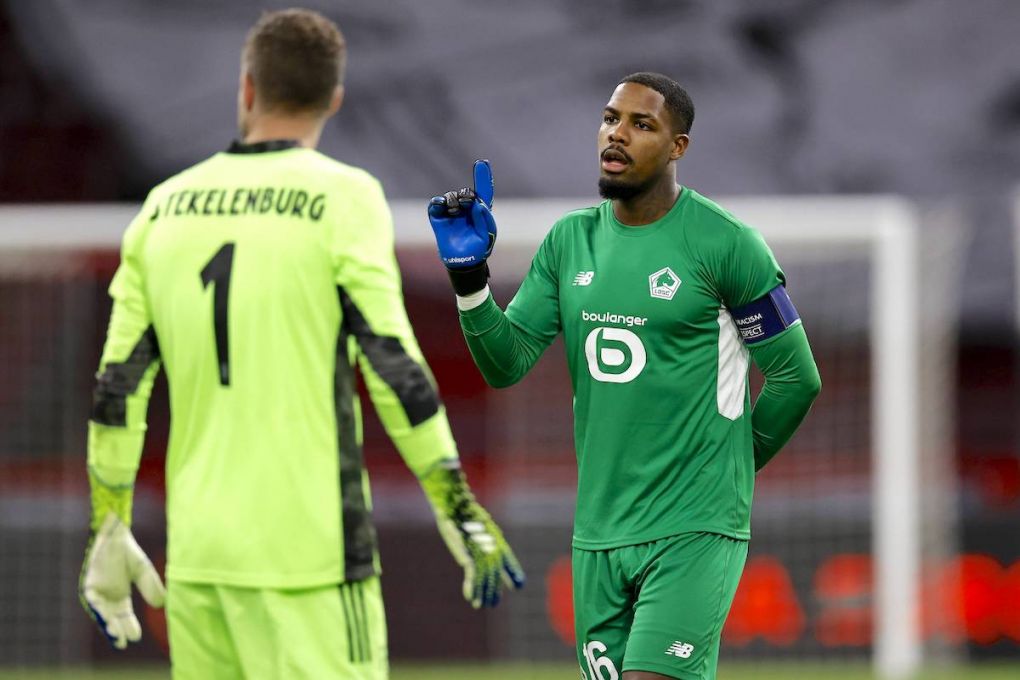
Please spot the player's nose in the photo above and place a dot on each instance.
(617, 135)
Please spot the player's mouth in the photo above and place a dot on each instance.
(615, 160)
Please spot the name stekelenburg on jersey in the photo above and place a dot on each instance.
(283, 201)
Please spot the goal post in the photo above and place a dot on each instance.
(897, 458)
(886, 228)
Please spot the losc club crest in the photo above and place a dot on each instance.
(664, 284)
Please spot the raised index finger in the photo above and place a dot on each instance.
(484, 187)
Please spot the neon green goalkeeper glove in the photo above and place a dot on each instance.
(113, 561)
(472, 536)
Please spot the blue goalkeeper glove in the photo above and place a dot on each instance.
(465, 230)
(472, 536)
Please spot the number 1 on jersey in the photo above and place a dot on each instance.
(217, 272)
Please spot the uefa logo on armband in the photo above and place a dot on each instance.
(664, 283)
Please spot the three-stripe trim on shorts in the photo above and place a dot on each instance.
(352, 597)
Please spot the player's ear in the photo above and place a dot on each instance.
(680, 144)
(247, 91)
(336, 101)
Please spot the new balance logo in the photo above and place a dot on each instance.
(584, 278)
(680, 649)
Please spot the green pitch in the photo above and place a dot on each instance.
(552, 672)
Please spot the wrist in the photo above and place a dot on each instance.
(468, 302)
(107, 498)
(470, 280)
(446, 487)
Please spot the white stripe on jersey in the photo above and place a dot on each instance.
(731, 380)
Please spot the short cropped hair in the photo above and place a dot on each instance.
(678, 102)
(295, 58)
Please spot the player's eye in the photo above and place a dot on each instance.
(608, 119)
(641, 125)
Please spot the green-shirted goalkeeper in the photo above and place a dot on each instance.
(662, 298)
(260, 279)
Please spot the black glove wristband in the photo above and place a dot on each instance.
(471, 280)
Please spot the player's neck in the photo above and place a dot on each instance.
(649, 206)
(268, 127)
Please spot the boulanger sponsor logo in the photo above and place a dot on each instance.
(664, 283)
(609, 317)
(584, 278)
(615, 355)
(750, 326)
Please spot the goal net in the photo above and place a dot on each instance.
(848, 523)
(857, 514)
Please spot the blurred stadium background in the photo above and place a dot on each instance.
(889, 529)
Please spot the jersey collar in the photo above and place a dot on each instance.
(646, 229)
(237, 146)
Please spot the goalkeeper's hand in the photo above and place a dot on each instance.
(472, 536)
(465, 230)
(113, 561)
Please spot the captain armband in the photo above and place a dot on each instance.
(766, 317)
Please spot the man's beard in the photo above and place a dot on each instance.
(621, 190)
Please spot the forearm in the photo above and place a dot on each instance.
(406, 400)
(425, 445)
(791, 385)
(110, 490)
(113, 459)
(116, 434)
(503, 352)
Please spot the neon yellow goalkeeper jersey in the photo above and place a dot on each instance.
(259, 278)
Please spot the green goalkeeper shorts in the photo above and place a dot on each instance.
(224, 632)
(656, 606)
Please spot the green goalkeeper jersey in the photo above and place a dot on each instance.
(662, 410)
(260, 278)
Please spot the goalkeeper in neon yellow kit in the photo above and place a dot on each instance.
(260, 278)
